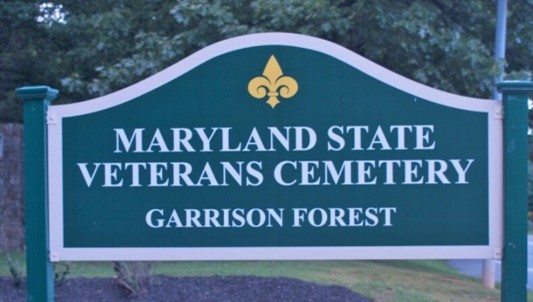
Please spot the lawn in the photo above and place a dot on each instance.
(387, 281)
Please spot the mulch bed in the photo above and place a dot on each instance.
(197, 289)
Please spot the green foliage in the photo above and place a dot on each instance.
(134, 277)
(15, 270)
(18, 33)
(60, 274)
(434, 43)
(183, 28)
(102, 46)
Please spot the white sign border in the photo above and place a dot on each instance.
(55, 169)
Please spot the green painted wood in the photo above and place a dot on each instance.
(40, 273)
(514, 262)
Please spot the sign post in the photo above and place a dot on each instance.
(514, 262)
(40, 272)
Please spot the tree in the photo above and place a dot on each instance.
(103, 46)
(445, 44)
(20, 52)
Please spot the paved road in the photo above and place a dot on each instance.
(473, 268)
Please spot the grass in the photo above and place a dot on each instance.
(386, 281)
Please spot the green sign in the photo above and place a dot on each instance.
(275, 146)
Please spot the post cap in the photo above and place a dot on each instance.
(515, 86)
(44, 93)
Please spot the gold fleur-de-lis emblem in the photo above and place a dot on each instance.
(272, 84)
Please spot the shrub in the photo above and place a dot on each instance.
(135, 277)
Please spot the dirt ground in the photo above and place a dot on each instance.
(184, 289)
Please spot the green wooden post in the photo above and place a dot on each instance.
(514, 262)
(40, 272)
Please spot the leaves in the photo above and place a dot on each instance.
(104, 46)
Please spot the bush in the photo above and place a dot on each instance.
(135, 277)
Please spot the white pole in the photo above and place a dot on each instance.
(499, 57)
(499, 47)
